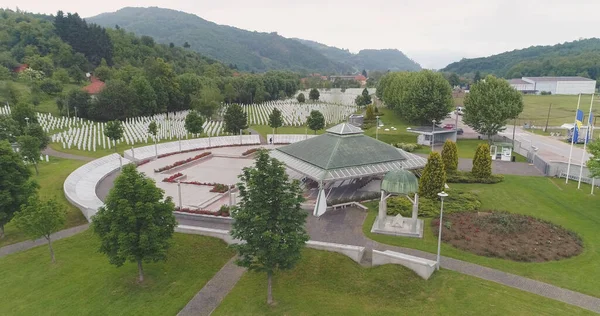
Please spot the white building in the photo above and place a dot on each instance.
(554, 85)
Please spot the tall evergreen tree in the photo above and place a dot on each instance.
(482, 162)
(137, 221)
(450, 156)
(275, 119)
(315, 121)
(269, 219)
(235, 119)
(433, 179)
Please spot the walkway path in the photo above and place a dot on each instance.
(211, 295)
(54, 153)
(25, 245)
(263, 140)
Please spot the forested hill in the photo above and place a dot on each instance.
(248, 51)
(369, 59)
(577, 58)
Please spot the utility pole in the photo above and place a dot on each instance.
(548, 118)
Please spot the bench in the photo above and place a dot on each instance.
(421, 266)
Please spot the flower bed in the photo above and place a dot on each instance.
(251, 151)
(223, 212)
(172, 178)
(181, 162)
(508, 236)
(197, 149)
(143, 162)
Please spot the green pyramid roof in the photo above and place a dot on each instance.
(333, 151)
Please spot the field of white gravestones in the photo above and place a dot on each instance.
(81, 134)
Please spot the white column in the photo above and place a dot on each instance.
(415, 209)
(382, 211)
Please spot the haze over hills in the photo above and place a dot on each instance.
(577, 58)
(249, 51)
(371, 59)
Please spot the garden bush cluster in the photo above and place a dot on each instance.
(457, 201)
(468, 177)
(408, 147)
(181, 162)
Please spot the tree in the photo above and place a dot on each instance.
(359, 100)
(301, 98)
(275, 119)
(37, 131)
(370, 113)
(51, 86)
(315, 121)
(314, 94)
(594, 162)
(12, 92)
(39, 218)
(153, 130)
(235, 119)
(364, 73)
(454, 80)
(482, 162)
(114, 131)
(207, 102)
(477, 77)
(29, 148)
(450, 156)
(229, 93)
(186, 45)
(366, 96)
(490, 104)
(193, 123)
(269, 219)
(136, 222)
(9, 129)
(15, 184)
(419, 97)
(433, 179)
(23, 114)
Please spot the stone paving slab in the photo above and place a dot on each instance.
(211, 295)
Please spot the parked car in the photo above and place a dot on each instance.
(449, 126)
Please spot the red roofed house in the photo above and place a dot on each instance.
(94, 87)
(362, 79)
(20, 68)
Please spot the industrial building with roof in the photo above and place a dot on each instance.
(343, 153)
(554, 85)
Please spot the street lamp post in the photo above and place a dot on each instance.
(377, 128)
(27, 120)
(442, 195)
(432, 134)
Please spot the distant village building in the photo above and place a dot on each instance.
(360, 78)
(554, 85)
(20, 68)
(94, 87)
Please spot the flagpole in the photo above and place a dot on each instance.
(572, 140)
(585, 141)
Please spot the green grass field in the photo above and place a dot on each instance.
(546, 198)
(82, 282)
(51, 179)
(536, 107)
(47, 102)
(325, 283)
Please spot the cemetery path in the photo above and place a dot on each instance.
(25, 245)
(263, 140)
(214, 291)
(54, 153)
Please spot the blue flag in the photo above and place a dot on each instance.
(578, 123)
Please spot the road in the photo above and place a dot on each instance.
(549, 149)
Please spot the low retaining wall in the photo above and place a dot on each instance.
(204, 217)
(354, 252)
(423, 267)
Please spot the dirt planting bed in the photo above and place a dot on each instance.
(508, 236)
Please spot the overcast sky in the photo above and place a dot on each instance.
(432, 32)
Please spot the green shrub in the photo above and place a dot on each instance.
(51, 86)
(450, 156)
(457, 201)
(408, 147)
(433, 178)
(482, 162)
(468, 177)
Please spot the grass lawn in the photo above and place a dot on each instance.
(82, 282)
(466, 149)
(266, 129)
(545, 198)
(47, 102)
(327, 283)
(390, 119)
(51, 179)
(536, 107)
